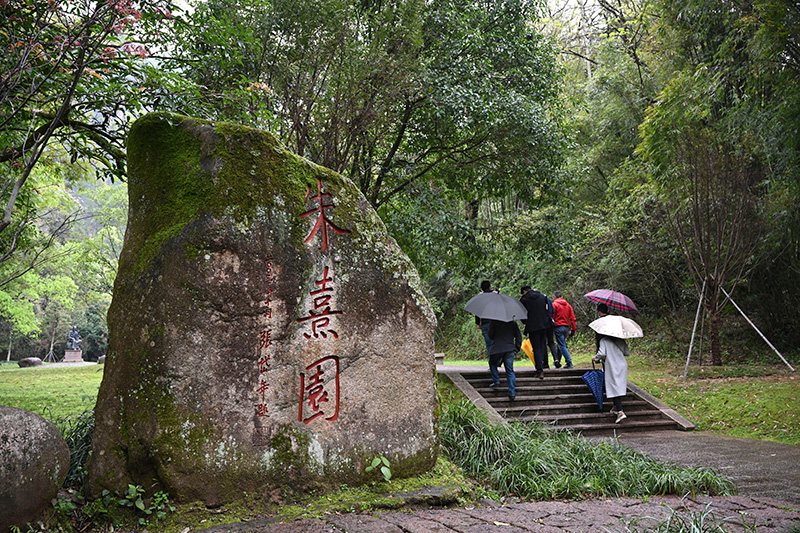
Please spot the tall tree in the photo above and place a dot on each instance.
(390, 93)
(774, 101)
(71, 75)
(698, 142)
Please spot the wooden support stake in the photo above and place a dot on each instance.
(694, 329)
(758, 330)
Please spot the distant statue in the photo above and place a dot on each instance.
(73, 339)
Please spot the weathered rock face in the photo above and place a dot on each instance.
(265, 330)
(34, 462)
(29, 362)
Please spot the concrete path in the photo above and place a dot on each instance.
(766, 474)
(758, 468)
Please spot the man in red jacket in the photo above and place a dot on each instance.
(565, 325)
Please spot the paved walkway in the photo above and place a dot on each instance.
(758, 468)
(766, 474)
(734, 514)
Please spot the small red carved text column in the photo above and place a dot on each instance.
(319, 390)
(261, 431)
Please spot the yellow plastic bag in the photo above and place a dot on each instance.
(528, 349)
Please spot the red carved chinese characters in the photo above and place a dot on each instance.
(319, 390)
(323, 221)
(319, 382)
(320, 316)
(264, 354)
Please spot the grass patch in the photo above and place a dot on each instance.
(51, 391)
(528, 461)
(77, 431)
(383, 495)
(343, 499)
(759, 405)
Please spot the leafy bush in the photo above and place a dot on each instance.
(77, 431)
(531, 461)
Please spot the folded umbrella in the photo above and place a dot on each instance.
(528, 349)
(617, 326)
(595, 379)
(496, 306)
(616, 301)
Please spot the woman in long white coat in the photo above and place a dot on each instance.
(613, 351)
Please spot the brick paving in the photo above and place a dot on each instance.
(733, 513)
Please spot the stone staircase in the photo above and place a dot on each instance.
(563, 401)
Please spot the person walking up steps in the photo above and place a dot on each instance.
(536, 325)
(612, 353)
(483, 325)
(506, 342)
(565, 326)
(551, 343)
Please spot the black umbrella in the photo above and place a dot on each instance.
(496, 306)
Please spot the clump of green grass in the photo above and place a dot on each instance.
(530, 461)
(705, 521)
(750, 401)
(77, 431)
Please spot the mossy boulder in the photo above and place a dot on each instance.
(34, 462)
(265, 332)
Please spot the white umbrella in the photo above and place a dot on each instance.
(496, 306)
(617, 326)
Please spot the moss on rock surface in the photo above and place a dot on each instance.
(265, 330)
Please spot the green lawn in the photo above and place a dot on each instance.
(49, 390)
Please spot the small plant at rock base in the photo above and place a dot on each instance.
(385, 467)
(161, 505)
(133, 497)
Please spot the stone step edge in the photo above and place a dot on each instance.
(632, 415)
(574, 399)
(521, 404)
(535, 385)
(625, 424)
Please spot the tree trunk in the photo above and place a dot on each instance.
(8, 355)
(713, 332)
(471, 210)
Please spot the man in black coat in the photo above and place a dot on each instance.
(536, 325)
(506, 342)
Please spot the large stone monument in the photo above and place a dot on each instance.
(265, 331)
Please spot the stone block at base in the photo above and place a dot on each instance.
(73, 356)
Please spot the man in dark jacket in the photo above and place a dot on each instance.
(506, 342)
(536, 325)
